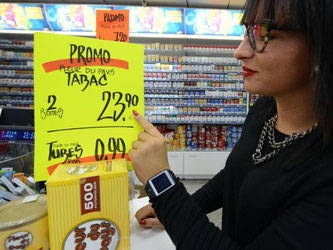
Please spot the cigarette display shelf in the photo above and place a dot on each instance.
(199, 86)
(16, 58)
(191, 97)
(186, 55)
(192, 52)
(208, 70)
(194, 72)
(16, 72)
(7, 101)
(207, 54)
(16, 76)
(198, 122)
(191, 63)
(193, 88)
(17, 93)
(202, 119)
(16, 44)
(23, 85)
(191, 79)
(179, 52)
(198, 114)
(195, 105)
(19, 67)
(13, 46)
(176, 71)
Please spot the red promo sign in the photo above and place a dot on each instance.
(112, 25)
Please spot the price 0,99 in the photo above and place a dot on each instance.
(119, 101)
(113, 147)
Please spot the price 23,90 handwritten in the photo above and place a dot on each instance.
(118, 100)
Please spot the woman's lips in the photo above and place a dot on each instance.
(248, 72)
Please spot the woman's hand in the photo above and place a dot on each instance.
(147, 218)
(149, 153)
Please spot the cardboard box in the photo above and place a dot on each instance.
(88, 206)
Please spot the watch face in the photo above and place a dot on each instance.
(161, 182)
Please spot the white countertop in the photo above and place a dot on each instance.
(148, 238)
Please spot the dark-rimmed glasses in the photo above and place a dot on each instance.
(259, 34)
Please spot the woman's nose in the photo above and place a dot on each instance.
(244, 50)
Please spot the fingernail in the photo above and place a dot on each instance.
(135, 113)
(143, 222)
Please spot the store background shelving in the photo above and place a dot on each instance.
(199, 85)
(199, 77)
(16, 73)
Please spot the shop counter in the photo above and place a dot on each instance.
(148, 238)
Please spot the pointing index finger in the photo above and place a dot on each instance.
(146, 125)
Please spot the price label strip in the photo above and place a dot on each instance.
(85, 91)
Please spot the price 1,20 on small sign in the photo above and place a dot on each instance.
(85, 91)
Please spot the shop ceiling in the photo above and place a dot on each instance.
(218, 4)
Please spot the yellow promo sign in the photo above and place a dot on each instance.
(85, 91)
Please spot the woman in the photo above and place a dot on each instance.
(276, 189)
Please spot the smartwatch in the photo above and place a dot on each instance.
(160, 183)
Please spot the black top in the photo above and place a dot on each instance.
(285, 203)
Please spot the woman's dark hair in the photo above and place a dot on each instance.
(315, 19)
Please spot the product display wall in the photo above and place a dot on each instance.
(16, 73)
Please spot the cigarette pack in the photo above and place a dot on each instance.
(88, 206)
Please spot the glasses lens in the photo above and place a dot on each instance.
(257, 36)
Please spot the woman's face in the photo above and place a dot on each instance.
(283, 67)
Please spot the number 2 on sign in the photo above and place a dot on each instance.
(54, 98)
(122, 100)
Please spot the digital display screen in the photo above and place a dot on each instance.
(16, 135)
(161, 182)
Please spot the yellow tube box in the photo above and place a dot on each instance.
(88, 206)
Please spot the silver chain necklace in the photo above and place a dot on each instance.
(276, 146)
